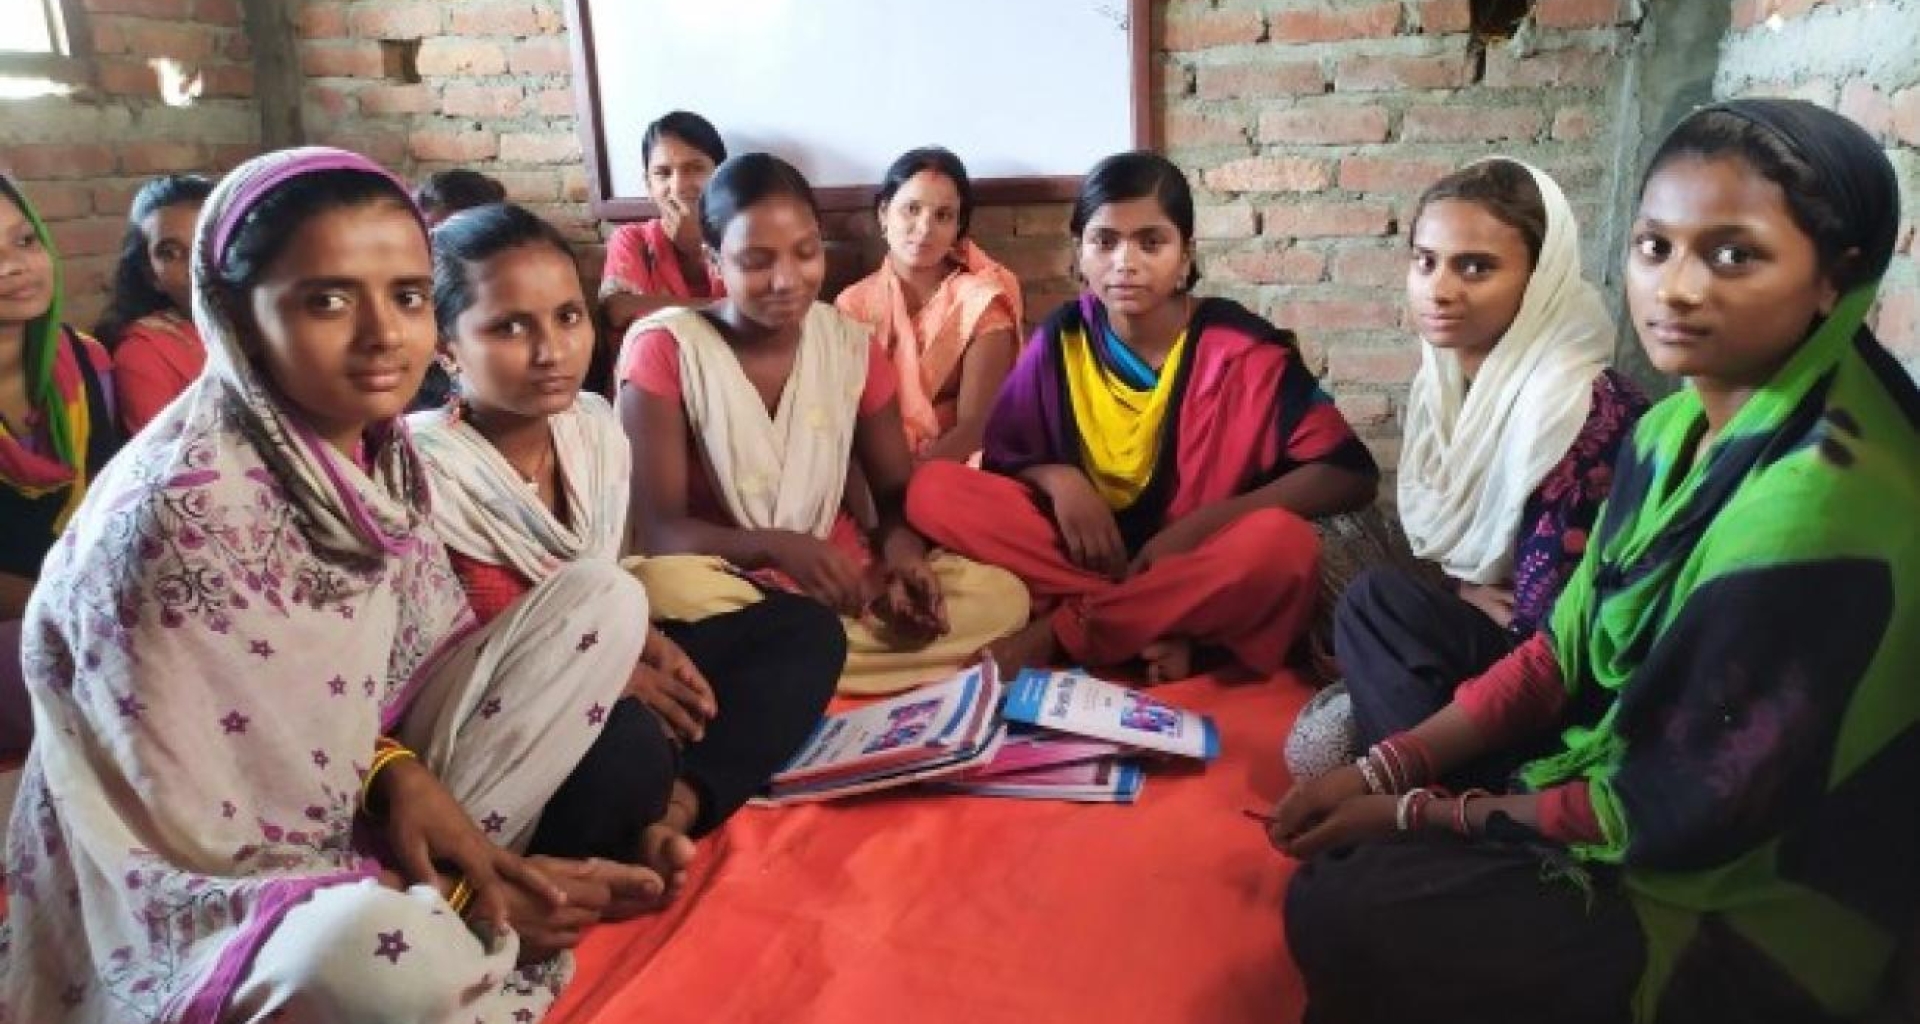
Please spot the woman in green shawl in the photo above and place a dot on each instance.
(1727, 829)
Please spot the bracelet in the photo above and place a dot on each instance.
(1414, 744)
(1411, 813)
(1390, 766)
(1371, 774)
(461, 895)
(386, 756)
(1460, 824)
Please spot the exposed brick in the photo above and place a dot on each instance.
(1224, 222)
(1577, 13)
(227, 80)
(1575, 124)
(1439, 17)
(482, 100)
(1868, 107)
(1380, 74)
(239, 48)
(390, 148)
(1333, 24)
(504, 18)
(107, 37)
(86, 160)
(1269, 174)
(177, 10)
(543, 56)
(1350, 363)
(1390, 174)
(1035, 261)
(318, 20)
(1342, 315)
(992, 220)
(161, 157)
(114, 196)
(1324, 125)
(573, 186)
(1747, 14)
(532, 148)
(225, 156)
(1365, 409)
(385, 100)
(1259, 78)
(555, 102)
(1371, 266)
(341, 60)
(1471, 124)
(123, 77)
(89, 236)
(446, 56)
(390, 20)
(453, 146)
(1268, 266)
(1200, 30)
(530, 186)
(1572, 68)
(1048, 220)
(1321, 220)
(183, 42)
(217, 12)
(61, 201)
(335, 103)
(1187, 128)
(1906, 115)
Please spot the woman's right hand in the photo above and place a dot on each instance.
(823, 571)
(667, 681)
(1310, 802)
(1087, 526)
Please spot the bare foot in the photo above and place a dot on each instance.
(631, 888)
(667, 853)
(1034, 646)
(1167, 660)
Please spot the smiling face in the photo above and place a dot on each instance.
(26, 267)
(922, 222)
(1133, 257)
(1722, 284)
(1468, 277)
(773, 261)
(676, 172)
(344, 317)
(169, 235)
(523, 346)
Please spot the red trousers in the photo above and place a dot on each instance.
(1250, 588)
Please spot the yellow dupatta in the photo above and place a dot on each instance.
(1119, 426)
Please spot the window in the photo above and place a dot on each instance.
(46, 39)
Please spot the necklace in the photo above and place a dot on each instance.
(539, 474)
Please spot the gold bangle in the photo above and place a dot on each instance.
(381, 762)
(461, 895)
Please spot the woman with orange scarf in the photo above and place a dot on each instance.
(943, 309)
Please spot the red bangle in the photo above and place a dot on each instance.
(1420, 750)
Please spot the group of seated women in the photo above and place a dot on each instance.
(333, 713)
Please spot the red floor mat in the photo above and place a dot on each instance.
(957, 909)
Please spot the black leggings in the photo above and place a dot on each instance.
(773, 666)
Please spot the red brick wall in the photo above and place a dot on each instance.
(1309, 128)
(80, 157)
(1859, 59)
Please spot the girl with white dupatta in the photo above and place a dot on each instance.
(1512, 425)
(745, 417)
(531, 475)
(278, 773)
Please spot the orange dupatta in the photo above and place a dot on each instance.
(926, 348)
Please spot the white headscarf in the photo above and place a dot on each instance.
(1472, 457)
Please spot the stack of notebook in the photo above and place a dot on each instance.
(1061, 735)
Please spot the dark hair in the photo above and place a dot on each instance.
(265, 230)
(475, 236)
(1846, 197)
(743, 181)
(456, 190)
(1138, 175)
(1503, 188)
(135, 292)
(940, 161)
(688, 127)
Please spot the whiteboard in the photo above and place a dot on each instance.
(1029, 93)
